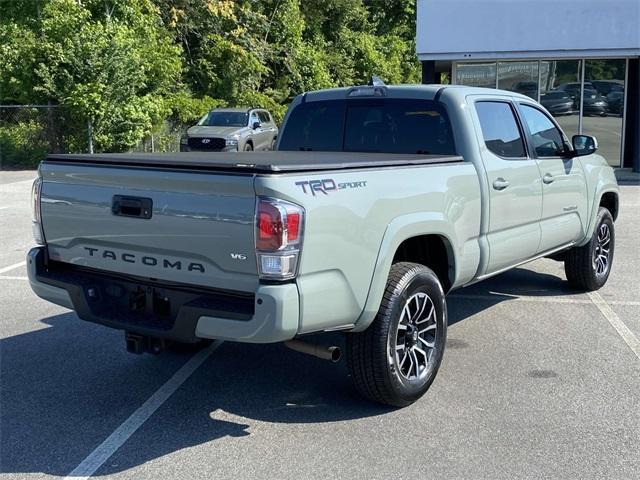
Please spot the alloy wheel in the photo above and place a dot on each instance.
(415, 337)
(602, 251)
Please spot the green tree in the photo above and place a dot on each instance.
(131, 65)
(109, 62)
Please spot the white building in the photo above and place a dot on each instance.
(579, 58)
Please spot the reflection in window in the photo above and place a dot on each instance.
(500, 130)
(520, 77)
(560, 92)
(603, 104)
(390, 125)
(476, 74)
(546, 138)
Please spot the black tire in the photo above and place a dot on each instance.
(273, 144)
(583, 268)
(248, 147)
(372, 355)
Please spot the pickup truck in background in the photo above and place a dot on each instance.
(378, 202)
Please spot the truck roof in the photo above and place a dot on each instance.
(254, 162)
(423, 91)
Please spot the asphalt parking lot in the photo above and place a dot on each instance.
(538, 381)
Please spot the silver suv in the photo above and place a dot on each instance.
(231, 130)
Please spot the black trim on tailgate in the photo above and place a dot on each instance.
(144, 306)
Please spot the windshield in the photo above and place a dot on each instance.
(224, 119)
(368, 125)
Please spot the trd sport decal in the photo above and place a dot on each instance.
(327, 186)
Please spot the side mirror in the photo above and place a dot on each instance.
(256, 125)
(584, 145)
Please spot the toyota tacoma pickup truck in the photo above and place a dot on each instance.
(378, 201)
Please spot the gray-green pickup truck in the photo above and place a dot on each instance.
(378, 201)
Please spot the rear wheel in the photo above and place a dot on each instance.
(588, 267)
(396, 359)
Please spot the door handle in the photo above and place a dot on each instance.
(548, 178)
(500, 184)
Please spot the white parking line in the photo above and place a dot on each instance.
(3, 208)
(626, 334)
(13, 267)
(121, 434)
(5, 277)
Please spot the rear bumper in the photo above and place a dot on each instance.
(174, 312)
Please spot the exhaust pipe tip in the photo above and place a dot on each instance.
(333, 354)
(336, 354)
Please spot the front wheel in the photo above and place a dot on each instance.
(396, 359)
(588, 267)
(248, 147)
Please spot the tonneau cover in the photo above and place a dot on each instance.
(255, 162)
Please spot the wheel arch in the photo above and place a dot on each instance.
(603, 191)
(420, 238)
(431, 250)
(611, 202)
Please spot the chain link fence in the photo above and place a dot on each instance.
(29, 132)
(163, 139)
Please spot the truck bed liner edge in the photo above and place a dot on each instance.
(255, 162)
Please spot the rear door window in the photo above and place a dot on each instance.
(500, 129)
(366, 125)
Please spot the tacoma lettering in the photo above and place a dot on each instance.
(145, 260)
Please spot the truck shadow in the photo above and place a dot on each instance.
(67, 386)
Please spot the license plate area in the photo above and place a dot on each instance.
(144, 305)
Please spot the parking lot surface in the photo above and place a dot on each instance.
(538, 381)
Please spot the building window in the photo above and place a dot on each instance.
(558, 86)
(521, 77)
(476, 74)
(603, 105)
(560, 92)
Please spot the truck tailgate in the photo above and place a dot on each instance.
(200, 229)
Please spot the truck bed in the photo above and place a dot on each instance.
(255, 162)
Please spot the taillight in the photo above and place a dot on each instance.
(279, 227)
(36, 222)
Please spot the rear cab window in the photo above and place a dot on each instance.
(500, 129)
(386, 125)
